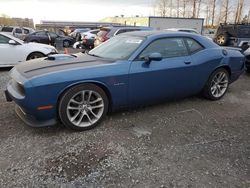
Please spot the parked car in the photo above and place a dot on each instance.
(236, 35)
(87, 41)
(106, 33)
(47, 37)
(13, 50)
(17, 32)
(247, 55)
(129, 70)
(90, 34)
(183, 30)
(188, 30)
(80, 30)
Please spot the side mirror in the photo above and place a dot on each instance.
(12, 42)
(154, 57)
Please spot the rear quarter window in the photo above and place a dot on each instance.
(193, 46)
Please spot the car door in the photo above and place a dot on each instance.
(172, 77)
(42, 37)
(10, 54)
(52, 37)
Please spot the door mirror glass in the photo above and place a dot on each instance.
(12, 42)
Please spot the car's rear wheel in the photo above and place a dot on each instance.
(217, 84)
(35, 55)
(83, 107)
(222, 39)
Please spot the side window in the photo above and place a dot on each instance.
(168, 47)
(194, 46)
(18, 30)
(4, 40)
(53, 35)
(26, 31)
(121, 31)
(41, 34)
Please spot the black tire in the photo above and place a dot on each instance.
(35, 55)
(207, 91)
(66, 43)
(222, 39)
(72, 93)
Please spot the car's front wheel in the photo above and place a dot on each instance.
(217, 84)
(83, 107)
(35, 55)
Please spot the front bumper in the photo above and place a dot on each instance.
(31, 121)
(7, 96)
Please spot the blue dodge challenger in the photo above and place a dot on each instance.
(132, 69)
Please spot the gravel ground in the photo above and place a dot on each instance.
(187, 143)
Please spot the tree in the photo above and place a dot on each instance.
(213, 11)
(239, 9)
(194, 8)
(162, 6)
(184, 7)
(199, 8)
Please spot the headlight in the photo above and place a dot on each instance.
(52, 50)
(18, 87)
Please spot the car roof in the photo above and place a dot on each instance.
(158, 34)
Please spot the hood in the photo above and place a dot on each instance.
(56, 63)
(38, 45)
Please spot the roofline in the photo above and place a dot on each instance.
(176, 18)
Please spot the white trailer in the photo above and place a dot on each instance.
(161, 23)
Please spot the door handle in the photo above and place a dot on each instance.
(187, 62)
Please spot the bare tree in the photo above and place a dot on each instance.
(161, 6)
(194, 8)
(178, 8)
(171, 8)
(226, 10)
(213, 11)
(239, 9)
(199, 8)
(184, 8)
(248, 17)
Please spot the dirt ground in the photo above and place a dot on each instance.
(192, 142)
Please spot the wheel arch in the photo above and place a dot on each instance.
(99, 84)
(225, 67)
(33, 53)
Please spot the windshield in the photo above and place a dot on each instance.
(120, 47)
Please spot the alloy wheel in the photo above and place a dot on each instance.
(219, 84)
(85, 108)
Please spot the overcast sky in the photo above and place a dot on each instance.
(79, 10)
(74, 10)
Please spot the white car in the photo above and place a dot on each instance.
(14, 50)
(90, 34)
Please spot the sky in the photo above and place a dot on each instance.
(74, 10)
